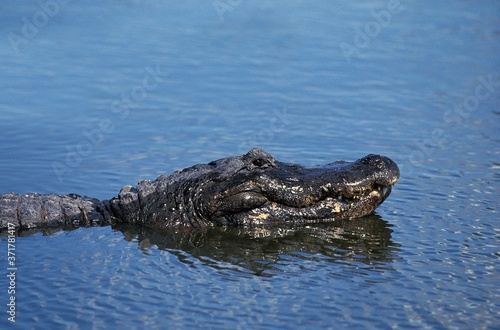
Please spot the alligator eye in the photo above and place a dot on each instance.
(259, 162)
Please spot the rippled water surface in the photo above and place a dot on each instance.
(94, 96)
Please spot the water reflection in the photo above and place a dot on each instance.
(366, 240)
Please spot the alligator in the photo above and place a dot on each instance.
(253, 189)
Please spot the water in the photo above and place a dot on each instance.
(96, 96)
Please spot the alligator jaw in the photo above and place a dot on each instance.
(290, 193)
(328, 208)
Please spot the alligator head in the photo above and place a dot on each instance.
(259, 189)
(256, 189)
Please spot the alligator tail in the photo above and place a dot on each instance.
(26, 211)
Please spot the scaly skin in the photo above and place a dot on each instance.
(253, 189)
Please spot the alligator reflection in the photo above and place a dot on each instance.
(366, 240)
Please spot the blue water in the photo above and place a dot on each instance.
(95, 95)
